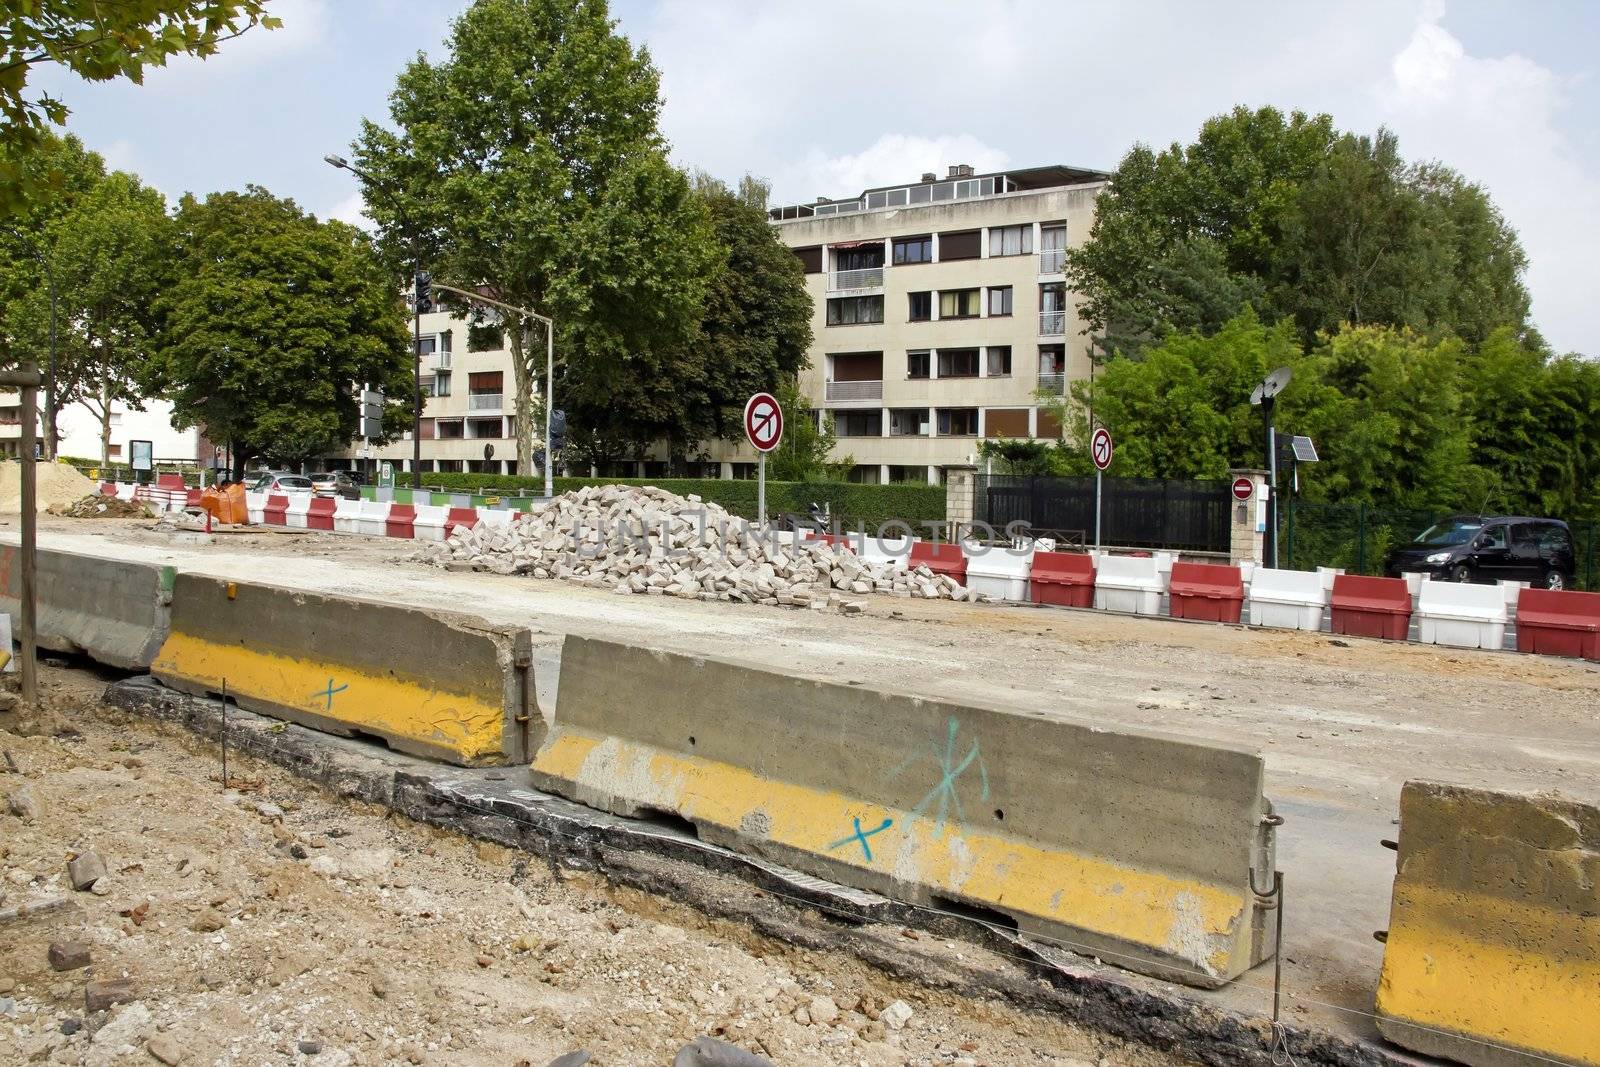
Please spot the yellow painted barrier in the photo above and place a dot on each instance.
(1493, 951)
(1134, 847)
(432, 683)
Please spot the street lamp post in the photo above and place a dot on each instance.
(416, 335)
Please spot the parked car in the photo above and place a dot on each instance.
(280, 482)
(335, 483)
(1478, 548)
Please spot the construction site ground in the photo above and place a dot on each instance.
(1342, 722)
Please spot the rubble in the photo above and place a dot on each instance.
(641, 540)
(96, 506)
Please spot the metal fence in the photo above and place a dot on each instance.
(1356, 537)
(1136, 512)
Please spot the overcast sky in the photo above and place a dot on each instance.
(827, 98)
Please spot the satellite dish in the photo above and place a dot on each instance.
(1271, 386)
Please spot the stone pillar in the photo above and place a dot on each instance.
(960, 488)
(1248, 519)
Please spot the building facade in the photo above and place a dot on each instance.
(940, 314)
(79, 428)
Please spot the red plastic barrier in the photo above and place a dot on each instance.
(1371, 607)
(320, 515)
(467, 517)
(108, 488)
(1208, 591)
(1065, 579)
(193, 497)
(276, 513)
(401, 521)
(169, 481)
(1559, 623)
(945, 559)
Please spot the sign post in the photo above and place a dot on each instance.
(1100, 450)
(763, 425)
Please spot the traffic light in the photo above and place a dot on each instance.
(424, 293)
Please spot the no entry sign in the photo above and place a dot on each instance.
(1243, 489)
(763, 421)
(1100, 448)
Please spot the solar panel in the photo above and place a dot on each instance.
(1304, 450)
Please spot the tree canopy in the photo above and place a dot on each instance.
(1289, 216)
(271, 321)
(529, 162)
(97, 41)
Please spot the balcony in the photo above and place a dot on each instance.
(843, 281)
(1052, 382)
(485, 401)
(441, 360)
(855, 392)
(1052, 323)
(1052, 260)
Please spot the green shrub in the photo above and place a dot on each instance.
(851, 503)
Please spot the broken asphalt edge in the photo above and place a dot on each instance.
(495, 804)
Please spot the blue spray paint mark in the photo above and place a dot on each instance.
(950, 770)
(861, 836)
(328, 693)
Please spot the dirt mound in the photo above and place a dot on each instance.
(58, 484)
(101, 507)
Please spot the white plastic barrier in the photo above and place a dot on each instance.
(255, 505)
(347, 516)
(999, 572)
(1288, 599)
(1461, 615)
(295, 515)
(373, 518)
(125, 490)
(895, 552)
(495, 516)
(1132, 584)
(429, 524)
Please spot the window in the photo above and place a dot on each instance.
(1010, 240)
(1053, 238)
(917, 363)
(446, 338)
(999, 361)
(1052, 298)
(913, 249)
(909, 422)
(958, 422)
(921, 306)
(958, 304)
(448, 429)
(441, 383)
(866, 255)
(426, 345)
(858, 423)
(909, 474)
(1553, 538)
(485, 338)
(999, 300)
(810, 259)
(958, 362)
(426, 428)
(1006, 422)
(855, 310)
(963, 244)
(484, 428)
(1052, 359)
(1495, 536)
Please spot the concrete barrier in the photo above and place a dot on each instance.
(1493, 951)
(433, 683)
(1133, 847)
(113, 611)
(347, 516)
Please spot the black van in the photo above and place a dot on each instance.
(1478, 548)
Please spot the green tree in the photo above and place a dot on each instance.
(805, 452)
(97, 41)
(529, 162)
(270, 322)
(108, 255)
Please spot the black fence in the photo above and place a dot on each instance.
(1136, 512)
(1357, 537)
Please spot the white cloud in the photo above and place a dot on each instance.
(351, 209)
(894, 157)
(305, 28)
(1497, 120)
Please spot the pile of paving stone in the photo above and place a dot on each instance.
(645, 540)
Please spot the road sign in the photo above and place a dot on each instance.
(763, 421)
(1100, 448)
(1243, 489)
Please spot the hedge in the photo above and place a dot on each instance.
(851, 503)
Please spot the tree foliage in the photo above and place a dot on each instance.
(99, 41)
(1286, 215)
(271, 321)
(529, 162)
(808, 439)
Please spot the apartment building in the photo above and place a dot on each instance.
(941, 312)
(79, 429)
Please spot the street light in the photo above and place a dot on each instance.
(416, 270)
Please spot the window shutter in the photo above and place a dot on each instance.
(961, 244)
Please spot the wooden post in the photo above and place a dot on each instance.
(25, 377)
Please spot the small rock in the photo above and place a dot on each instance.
(102, 886)
(309, 1047)
(208, 922)
(22, 804)
(85, 868)
(896, 1015)
(484, 961)
(268, 810)
(71, 1025)
(165, 1049)
(380, 986)
(8, 1008)
(68, 955)
(98, 996)
(7, 985)
(824, 1012)
(709, 1052)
